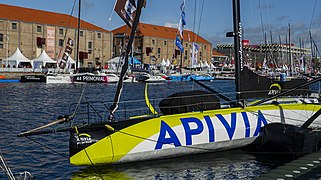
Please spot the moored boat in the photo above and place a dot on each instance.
(33, 78)
(188, 123)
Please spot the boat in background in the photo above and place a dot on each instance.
(33, 78)
(95, 78)
(60, 78)
(189, 77)
(146, 77)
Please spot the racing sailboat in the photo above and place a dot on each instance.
(189, 123)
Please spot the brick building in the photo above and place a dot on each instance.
(153, 43)
(33, 30)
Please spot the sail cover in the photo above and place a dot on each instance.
(189, 101)
(254, 85)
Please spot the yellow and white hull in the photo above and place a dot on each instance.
(188, 133)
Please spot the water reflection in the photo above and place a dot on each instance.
(235, 164)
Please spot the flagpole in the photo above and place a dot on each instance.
(78, 30)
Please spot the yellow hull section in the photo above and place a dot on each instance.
(141, 138)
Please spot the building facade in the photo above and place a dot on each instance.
(154, 43)
(274, 55)
(33, 30)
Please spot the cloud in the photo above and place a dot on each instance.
(171, 25)
(281, 18)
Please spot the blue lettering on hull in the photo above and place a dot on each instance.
(193, 126)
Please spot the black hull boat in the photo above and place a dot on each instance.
(33, 78)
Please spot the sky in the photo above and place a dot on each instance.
(211, 19)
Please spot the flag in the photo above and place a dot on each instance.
(181, 24)
(178, 43)
(183, 18)
(182, 5)
(182, 21)
(195, 49)
(126, 9)
(180, 28)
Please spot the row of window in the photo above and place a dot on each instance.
(61, 44)
(61, 31)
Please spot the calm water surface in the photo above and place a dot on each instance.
(24, 106)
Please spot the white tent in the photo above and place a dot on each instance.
(113, 63)
(205, 64)
(43, 60)
(17, 59)
(114, 60)
(168, 63)
(163, 63)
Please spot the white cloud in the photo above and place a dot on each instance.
(171, 25)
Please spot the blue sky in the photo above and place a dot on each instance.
(275, 15)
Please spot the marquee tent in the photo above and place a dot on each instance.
(43, 60)
(17, 59)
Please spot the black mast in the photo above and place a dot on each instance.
(78, 30)
(290, 53)
(238, 48)
(123, 71)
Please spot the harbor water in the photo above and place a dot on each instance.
(24, 106)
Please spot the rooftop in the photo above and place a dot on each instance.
(15, 13)
(161, 32)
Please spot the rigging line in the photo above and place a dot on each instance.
(6, 168)
(68, 26)
(84, 148)
(42, 145)
(199, 24)
(152, 140)
(111, 15)
(288, 118)
(78, 104)
(262, 25)
(194, 20)
(269, 17)
(315, 3)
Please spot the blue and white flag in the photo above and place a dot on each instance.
(182, 21)
(178, 43)
(194, 52)
(180, 28)
(183, 18)
(182, 5)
